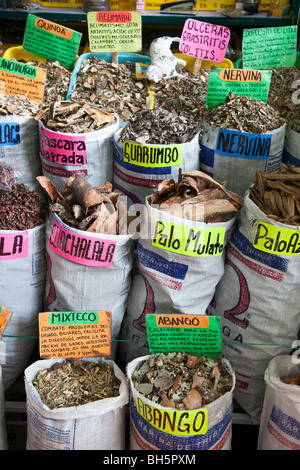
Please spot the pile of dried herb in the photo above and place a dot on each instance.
(114, 87)
(294, 122)
(21, 208)
(281, 90)
(159, 126)
(277, 194)
(75, 117)
(76, 383)
(182, 381)
(17, 105)
(185, 95)
(292, 380)
(196, 196)
(245, 115)
(92, 209)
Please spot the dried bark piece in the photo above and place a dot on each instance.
(192, 360)
(193, 401)
(166, 402)
(163, 381)
(50, 188)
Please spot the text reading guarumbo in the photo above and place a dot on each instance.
(152, 156)
(188, 241)
(81, 249)
(242, 144)
(180, 423)
(277, 240)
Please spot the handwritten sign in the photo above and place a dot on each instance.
(204, 41)
(51, 41)
(75, 334)
(186, 240)
(5, 316)
(242, 82)
(115, 31)
(277, 240)
(17, 78)
(265, 48)
(192, 334)
(232, 143)
(152, 155)
(63, 149)
(13, 245)
(10, 133)
(81, 249)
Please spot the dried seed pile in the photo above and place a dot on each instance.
(75, 117)
(196, 196)
(159, 126)
(185, 95)
(114, 87)
(88, 208)
(245, 115)
(21, 208)
(281, 90)
(7, 177)
(277, 194)
(17, 105)
(182, 381)
(76, 383)
(292, 380)
(294, 122)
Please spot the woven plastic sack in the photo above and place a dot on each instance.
(258, 302)
(280, 420)
(22, 289)
(99, 425)
(63, 154)
(3, 433)
(137, 181)
(169, 282)
(237, 164)
(147, 434)
(79, 283)
(291, 150)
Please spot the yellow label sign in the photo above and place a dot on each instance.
(188, 241)
(277, 240)
(178, 422)
(152, 156)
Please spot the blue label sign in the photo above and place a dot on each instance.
(243, 145)
(9, 133)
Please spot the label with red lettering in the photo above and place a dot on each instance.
(62, 149)
(81, 249)
(13, 245)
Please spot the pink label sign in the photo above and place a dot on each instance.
(13, 245)
(62, 148)
(81, 249)
(204, 41)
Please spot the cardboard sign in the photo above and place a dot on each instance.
(75, 334)
(115, 31)
(10, 133)
(198, 335)
(232, 143)
(187, 240)
(5, 316)
(17, 78)
(204, 41)
(51, 41)
(242, 82)
(277, 240)
(154, 156)
(265, 48)
(81, 249)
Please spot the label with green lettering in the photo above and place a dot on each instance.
(242, 82)
(73, 318)
(199, 335)
(152, 155)
(187, 240)
(277, 240)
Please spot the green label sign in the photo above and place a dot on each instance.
(265, 48)
(199, 335)
(243, 82)
(51, 41)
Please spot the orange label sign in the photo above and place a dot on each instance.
(53, 28)
(240, 75)
(75, 334)
(4, 317)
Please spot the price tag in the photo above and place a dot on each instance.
(51, 41)
(265, 48)
(242, 82)
(199, 335)
(205, 41)
(5, 316)
(17, 78)
(75, 334)
(115, 31)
